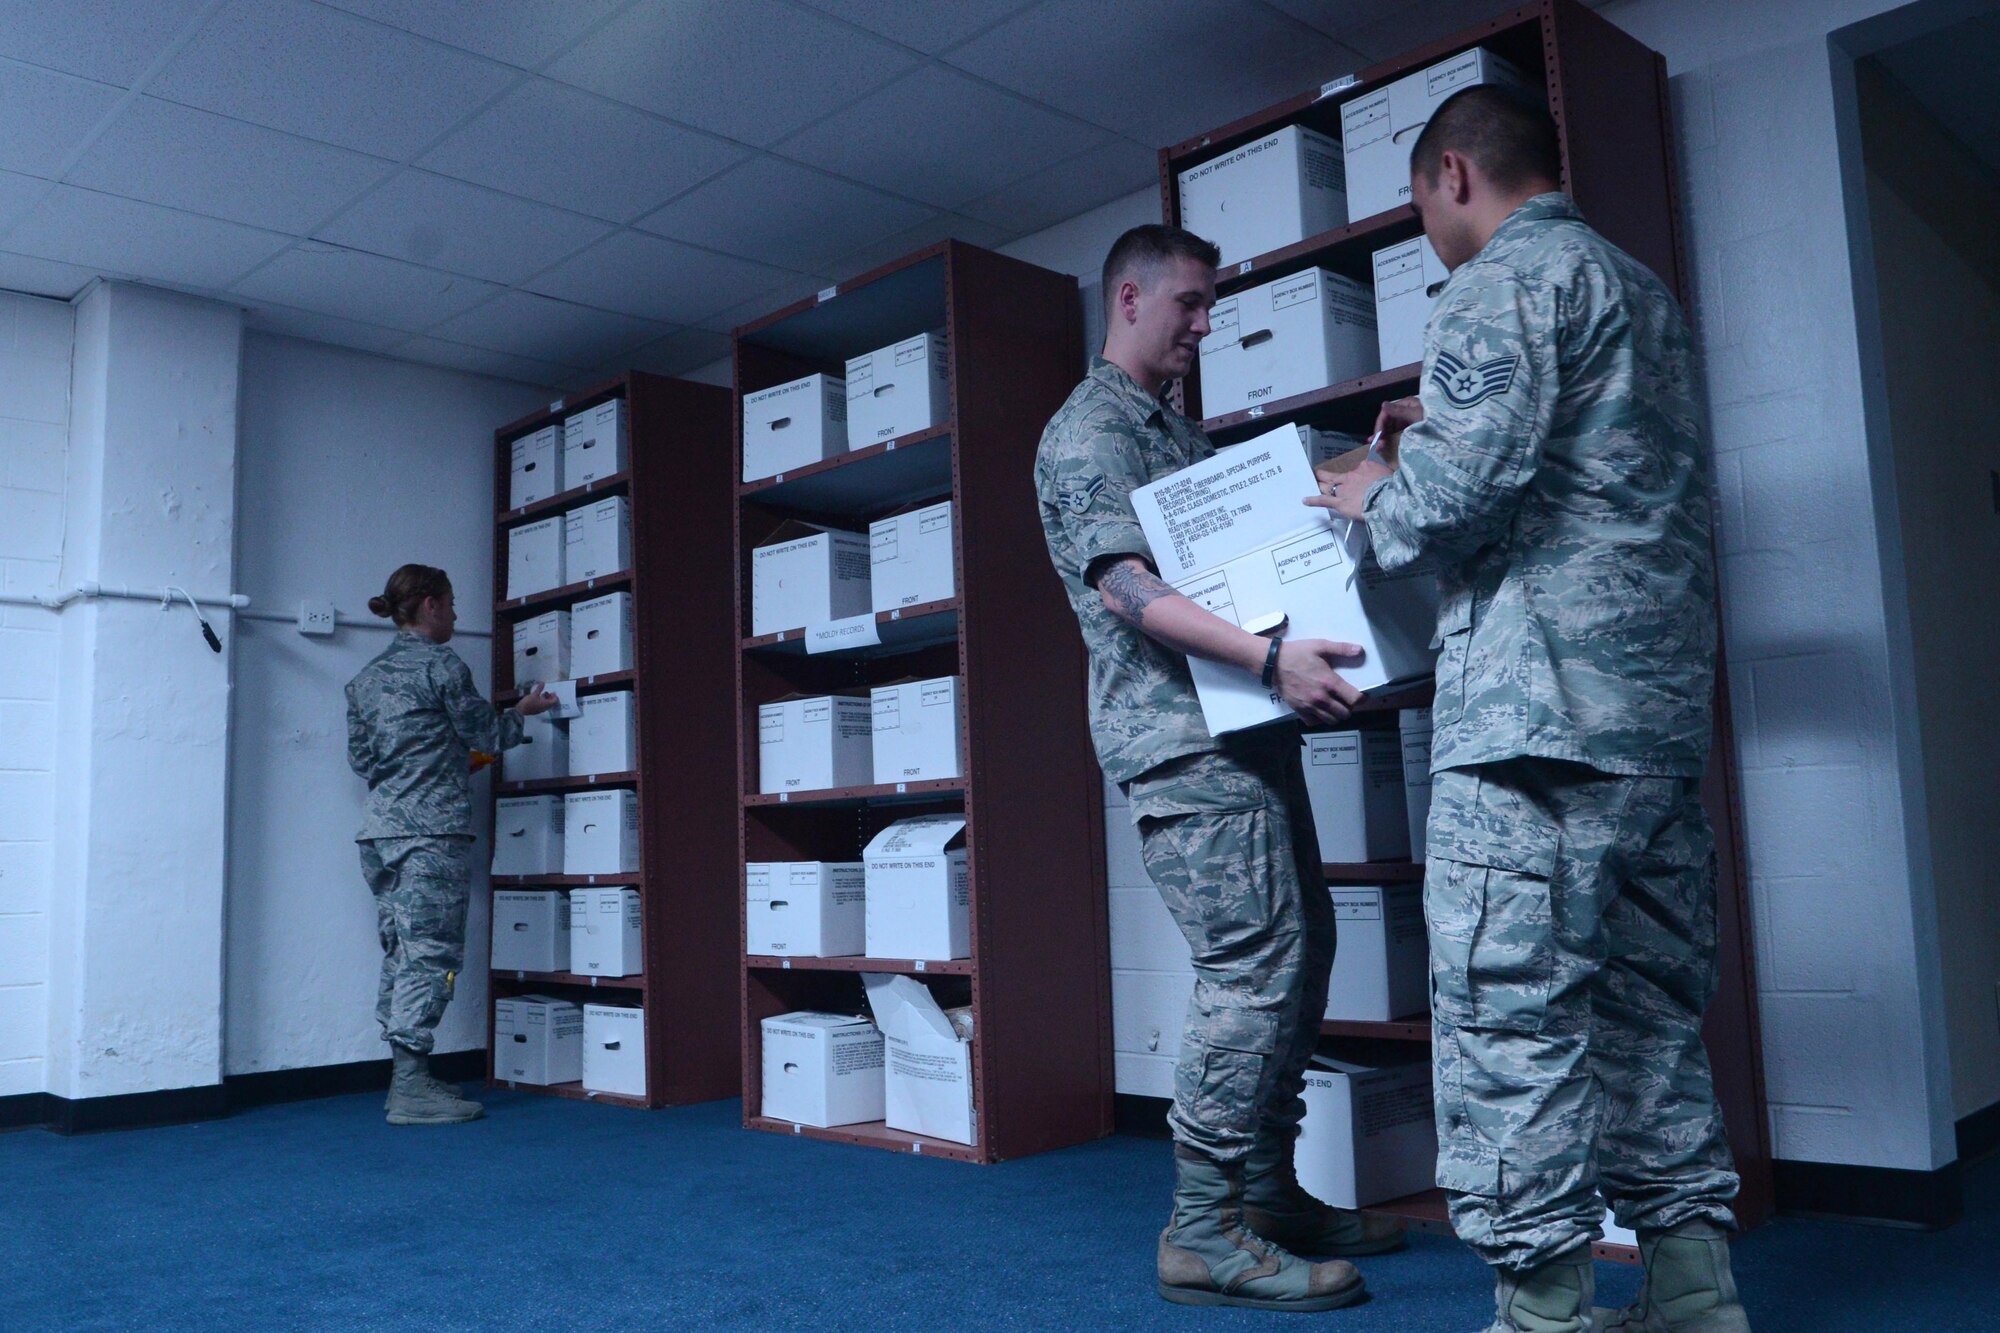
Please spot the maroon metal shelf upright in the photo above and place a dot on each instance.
(1038, 978)
(684, 692)
(1608, 94)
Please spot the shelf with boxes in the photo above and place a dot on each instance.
(1326, 285)
(609, 797)
(905, 766)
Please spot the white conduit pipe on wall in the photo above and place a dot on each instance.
(90, 590)
(345, 621)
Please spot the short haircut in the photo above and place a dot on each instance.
(1511, 136)
(1142, 250)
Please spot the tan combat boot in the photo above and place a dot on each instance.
(1277, 1208)
(1207, 1257)
(1688, 1288)
(1552, 1298)
(416, 1098)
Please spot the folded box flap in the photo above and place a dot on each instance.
(906, 1011)
(795, 529)
(922, 836)
(813, 1018)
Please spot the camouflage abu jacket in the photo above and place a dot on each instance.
(1559, 481)
(413, 720)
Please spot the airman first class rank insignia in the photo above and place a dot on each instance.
(1468, 386)
(1080, 494)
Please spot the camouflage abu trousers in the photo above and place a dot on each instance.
(1572, 935)
(1228, 840)
(422, 887)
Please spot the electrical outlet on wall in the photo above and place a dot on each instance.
(316, 617)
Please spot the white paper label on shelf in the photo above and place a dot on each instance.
(828, 293)
(1245, 266)
(556, 406)
(787, 965)
(849, 632)
(921, 964)
(784, 797)
(1257, 411)
(1341, 84)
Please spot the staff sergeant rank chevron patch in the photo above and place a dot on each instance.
(1468, 386)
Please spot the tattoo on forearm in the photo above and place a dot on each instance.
(1129, 588)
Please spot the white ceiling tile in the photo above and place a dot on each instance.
(783, 213)
(317, 72)
(46, 117)
(924, 24)
(42, 277)
(18, 194)
(878, 253)
(133, 239)
(314, 275)
(1104, 173)
(482, 361)
(314, 327)
(1338, 18)
(656, 278)
(166, 153)
(519, 32)
(112, 41)
(558, 331)
(939, 136)
(679, 352)
(729, 320)
(1393, 29)
(442, 223)
(753, 70)
(1204, 62)
(554, 143)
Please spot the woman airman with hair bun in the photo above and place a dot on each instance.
(414, 721)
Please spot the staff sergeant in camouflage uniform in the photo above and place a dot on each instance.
(413, 721)
(1553, 468)
(1224, 824)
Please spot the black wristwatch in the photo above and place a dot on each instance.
(1271, 661)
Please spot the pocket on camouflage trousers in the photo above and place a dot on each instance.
(1492, 932)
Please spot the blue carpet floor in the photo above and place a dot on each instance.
(554, 1215)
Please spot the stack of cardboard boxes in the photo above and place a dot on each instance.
(1317, 327)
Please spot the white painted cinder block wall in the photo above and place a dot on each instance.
(35, 341)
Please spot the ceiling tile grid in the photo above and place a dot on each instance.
(542, 190)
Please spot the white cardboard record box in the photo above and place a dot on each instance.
(927, 1074)
(1408, 280)
(594, 443)
(600, 635)
(822, 1069)
(898, 390)
(919, 890)
(805, 909)
(910, 558)
(816, 742)
(1231, 534)
(807, 575)
(597, 539)
(1369, 1134)
(543, 752)
(1416, 733)
(541, 648)
(1287, 337)
(1266, 195)
(537, 1039)
(604, 934)
(535, 557)
(1355, 782)
(614, 1049)
(534, 469)
(1381, 972)
(1379, 129)
(916, 730)
(606, 738)
(530, 930)
(793, 426)
(601, 832)
(528, 835)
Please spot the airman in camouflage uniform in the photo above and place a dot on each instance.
(413, 719)
(1227, 837)
(1555, 476)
